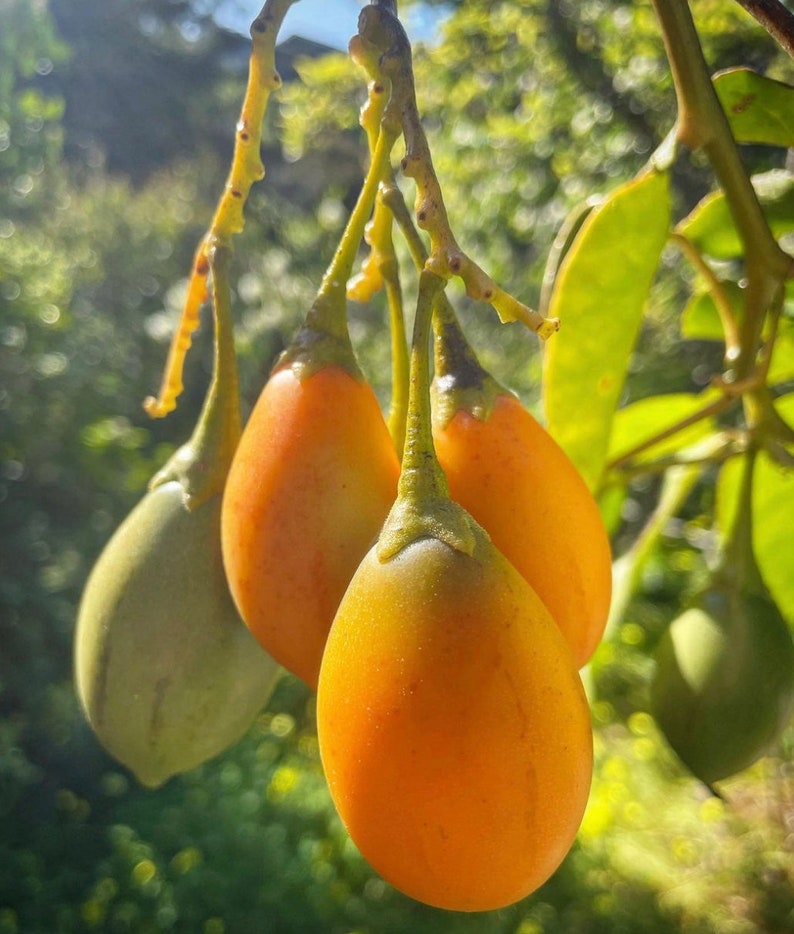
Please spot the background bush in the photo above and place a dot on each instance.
(115, 123)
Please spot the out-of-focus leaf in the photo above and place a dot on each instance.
(610, 502)
(700, 320)
(710, 226)
(599, 297)
(566, 236)
(773, 522)
(781, 370)
(678, 481)
(728, 485)
(773, 516)
(642, 420)
(759, 109)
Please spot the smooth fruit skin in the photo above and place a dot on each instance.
(519, 484)
(313, 478)
(453, 728)
(166, 671)
(724, 685)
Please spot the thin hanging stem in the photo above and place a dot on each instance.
(246, 168)
(462, 381)
(422, 475)
(324, 337)
(385, 33)
(201, 465)
(398, 405)
(730, 325)
(380, 268)
(329, 313)
(423, 508)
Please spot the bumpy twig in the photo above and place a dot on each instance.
(246, 169)
(382, 29)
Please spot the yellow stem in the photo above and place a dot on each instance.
(383, 31)
(246, 168)
(730, 325)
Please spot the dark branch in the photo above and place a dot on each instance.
(775, 18)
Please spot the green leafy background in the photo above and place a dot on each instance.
(116, 123)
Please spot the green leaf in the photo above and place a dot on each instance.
(599, 297)
(641, 421)
(710, 226)
(773, 516)
(773, 522)
(759, 109)
(781, 369)
(700, 320)
(610, 502)
(565, 239)
(729, 482)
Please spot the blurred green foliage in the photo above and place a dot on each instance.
(531, 106)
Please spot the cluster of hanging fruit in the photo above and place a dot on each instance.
(423, 580)
(438, 578)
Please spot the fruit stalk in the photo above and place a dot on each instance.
(202, 464)
(381, 268)
(423, 508)
(246, 168)
(324, 337)
(384, 31)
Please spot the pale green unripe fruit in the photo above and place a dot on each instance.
(166, 671)
(724, 685)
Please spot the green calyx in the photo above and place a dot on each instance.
(201, 465)
(461, 384)
(423, 508)
(323, 340)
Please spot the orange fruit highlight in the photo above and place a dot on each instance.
(310, 485)
(453, 727)
(519, 484)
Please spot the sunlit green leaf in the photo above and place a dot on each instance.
(599, 297)
(727, 492)
(641, 421)
(773, 515)
(781, 369)
(773, 522)
(710, 226)
(610, 502)
(700, 319)
(760, 110)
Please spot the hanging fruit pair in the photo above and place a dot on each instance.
(515, 480)
(314, 474)
(453, 727)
